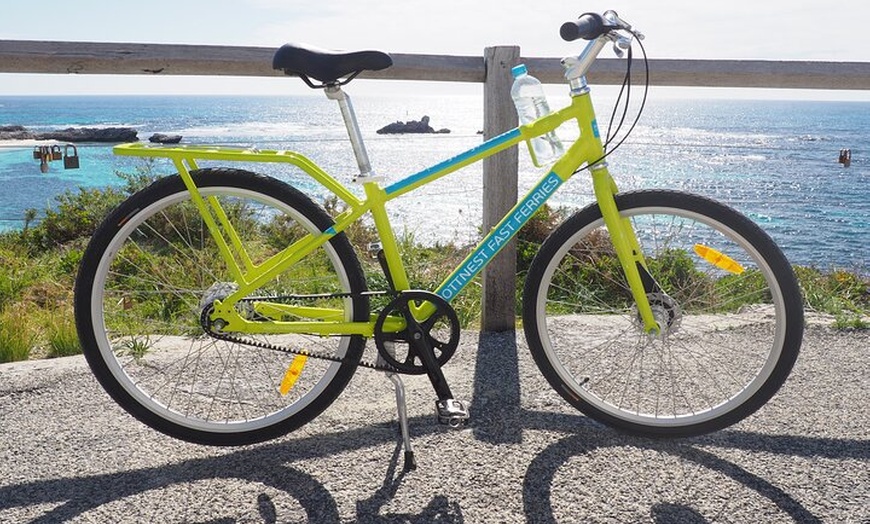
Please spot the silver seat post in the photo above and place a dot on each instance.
(353, 132)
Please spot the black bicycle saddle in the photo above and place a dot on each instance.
(327, 66)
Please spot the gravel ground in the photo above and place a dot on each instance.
(69, 454)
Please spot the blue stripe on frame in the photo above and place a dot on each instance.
(498, 237)
(462, 157)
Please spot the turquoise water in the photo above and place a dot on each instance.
(773, 160)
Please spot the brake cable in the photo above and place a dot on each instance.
(625, 89)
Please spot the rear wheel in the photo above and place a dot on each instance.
(150, 272)
(729, 308)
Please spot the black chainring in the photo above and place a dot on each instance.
(440, 330)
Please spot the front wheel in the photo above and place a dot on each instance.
(728, 305)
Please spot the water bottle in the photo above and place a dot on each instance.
(528, 95)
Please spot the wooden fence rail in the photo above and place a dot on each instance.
(492, 69)
(24, 56)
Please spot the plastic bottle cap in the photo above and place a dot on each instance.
(519, 70)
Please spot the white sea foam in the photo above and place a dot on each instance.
(265, 130)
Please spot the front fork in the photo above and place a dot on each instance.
(628, 249)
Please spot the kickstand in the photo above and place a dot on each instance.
(402, 408)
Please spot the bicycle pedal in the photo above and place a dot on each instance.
(451, 412)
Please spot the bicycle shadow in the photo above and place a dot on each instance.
(272, 466)
(541, 474)
(440, 509)
(276, 474)
(269, 465)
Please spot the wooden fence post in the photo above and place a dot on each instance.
(498, 305)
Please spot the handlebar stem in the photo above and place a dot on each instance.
(577, 67)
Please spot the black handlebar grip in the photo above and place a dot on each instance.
(588, 27)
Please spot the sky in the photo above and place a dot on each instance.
(834, 30)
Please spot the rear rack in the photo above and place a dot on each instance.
(205, 152)
(185, 158)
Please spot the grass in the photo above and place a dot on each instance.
(39, 263)
(61, 335)
(841, 293)
(17, 337)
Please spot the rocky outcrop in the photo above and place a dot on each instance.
(160, 138)
(72, 134)
(412, 126)
(90, 134)
(15, 133)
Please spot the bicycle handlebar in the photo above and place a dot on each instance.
(590, 26)
(598, 30)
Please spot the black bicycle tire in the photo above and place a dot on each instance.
(748, 230)
(206, 178)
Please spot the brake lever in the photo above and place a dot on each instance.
(621, 42)
(614, 19)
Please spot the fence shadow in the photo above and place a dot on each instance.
(496, 389)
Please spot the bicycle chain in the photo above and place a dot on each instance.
(207, 326)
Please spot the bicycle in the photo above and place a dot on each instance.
(224, 307)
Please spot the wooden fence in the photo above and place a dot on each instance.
(492, 69)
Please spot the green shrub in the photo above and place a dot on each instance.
(143, 177)
(77, 216)
(69, 260)
(533, 234)
(14, 276)
(841, 293)
(38, 266)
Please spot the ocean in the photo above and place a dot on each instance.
(775, 161)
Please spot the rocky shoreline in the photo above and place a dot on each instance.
(129, 134)
(71, 134)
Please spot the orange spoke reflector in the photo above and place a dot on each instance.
(292, 375)
(718, 259)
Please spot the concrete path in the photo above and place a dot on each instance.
(68, 454)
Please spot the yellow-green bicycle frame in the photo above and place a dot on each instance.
(586, 150)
